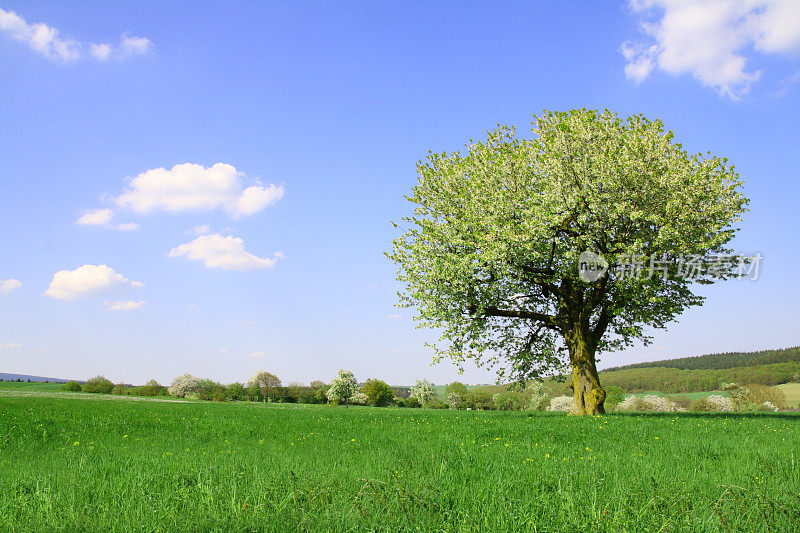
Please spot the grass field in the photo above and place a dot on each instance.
(792, 393)
(32, 386)
(95, 464)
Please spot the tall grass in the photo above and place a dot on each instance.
(120, 465)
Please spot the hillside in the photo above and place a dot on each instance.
(721, 361)
(25, 377)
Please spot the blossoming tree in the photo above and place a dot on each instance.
(491, 253)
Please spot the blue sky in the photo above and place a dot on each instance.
(318, 113)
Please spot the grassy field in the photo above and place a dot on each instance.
(32, 386)
(95, 464)
(792, 393)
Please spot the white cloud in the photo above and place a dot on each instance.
(223, 350)
(96, 217)
(256, 354)
(103, 217)
(708, 38)
(189, 186)
(10, 345)
(123, 305)
(205, 229)
(9, 285)
(227, 253)
(88, 280)
(45, 41)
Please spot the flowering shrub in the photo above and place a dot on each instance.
(183, 385)
(715, 402)
(359, 398)
(767, 406)
(651, 402)
(561, 404)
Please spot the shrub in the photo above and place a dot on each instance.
(98, 385)
(714, 402)
(378, 392)
(683, 402)
(359, 398)
(614, 396)
(119, 389)
(71, 386)
(183, 386)
(423, 391)
(651, 402)
(435, 403)
(151, 388)
(411, 403)
(563, 404)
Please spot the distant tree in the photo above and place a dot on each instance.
(236, 392)
(378, 392)
(183, 385)
(268, 383)
(343, 387)
(454, 400)
(98, 384)
(119, 389)
(316, 384)
(71, 386)
(536, 392)
(423, 391)
(151, 388)
(492, 251)
(254, 392)
(458, 388)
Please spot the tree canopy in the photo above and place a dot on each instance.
(490, 256)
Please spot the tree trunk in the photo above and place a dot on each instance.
(588, 394)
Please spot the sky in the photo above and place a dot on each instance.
(209, 187)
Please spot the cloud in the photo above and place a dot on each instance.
(223, 350)
(227, 253)
(191, 187)
(123, 305)
(707, 39)
(45, 41)
(9, 285)
(205, 229)
(256, 354)
(10, 345)
(103, 217)
(88, 280)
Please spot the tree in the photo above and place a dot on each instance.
(343, 387)
(183, 385)
(266, 382)
(507, 251)
(423, 391)
(98, 384)
(236, 391)
(71, 386)
(378, 392)
(457, 388)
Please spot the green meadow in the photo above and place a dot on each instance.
(69, 463)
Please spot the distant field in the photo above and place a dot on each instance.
(104, 465)
(690, 395)
(32, 386)
(792, 392)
